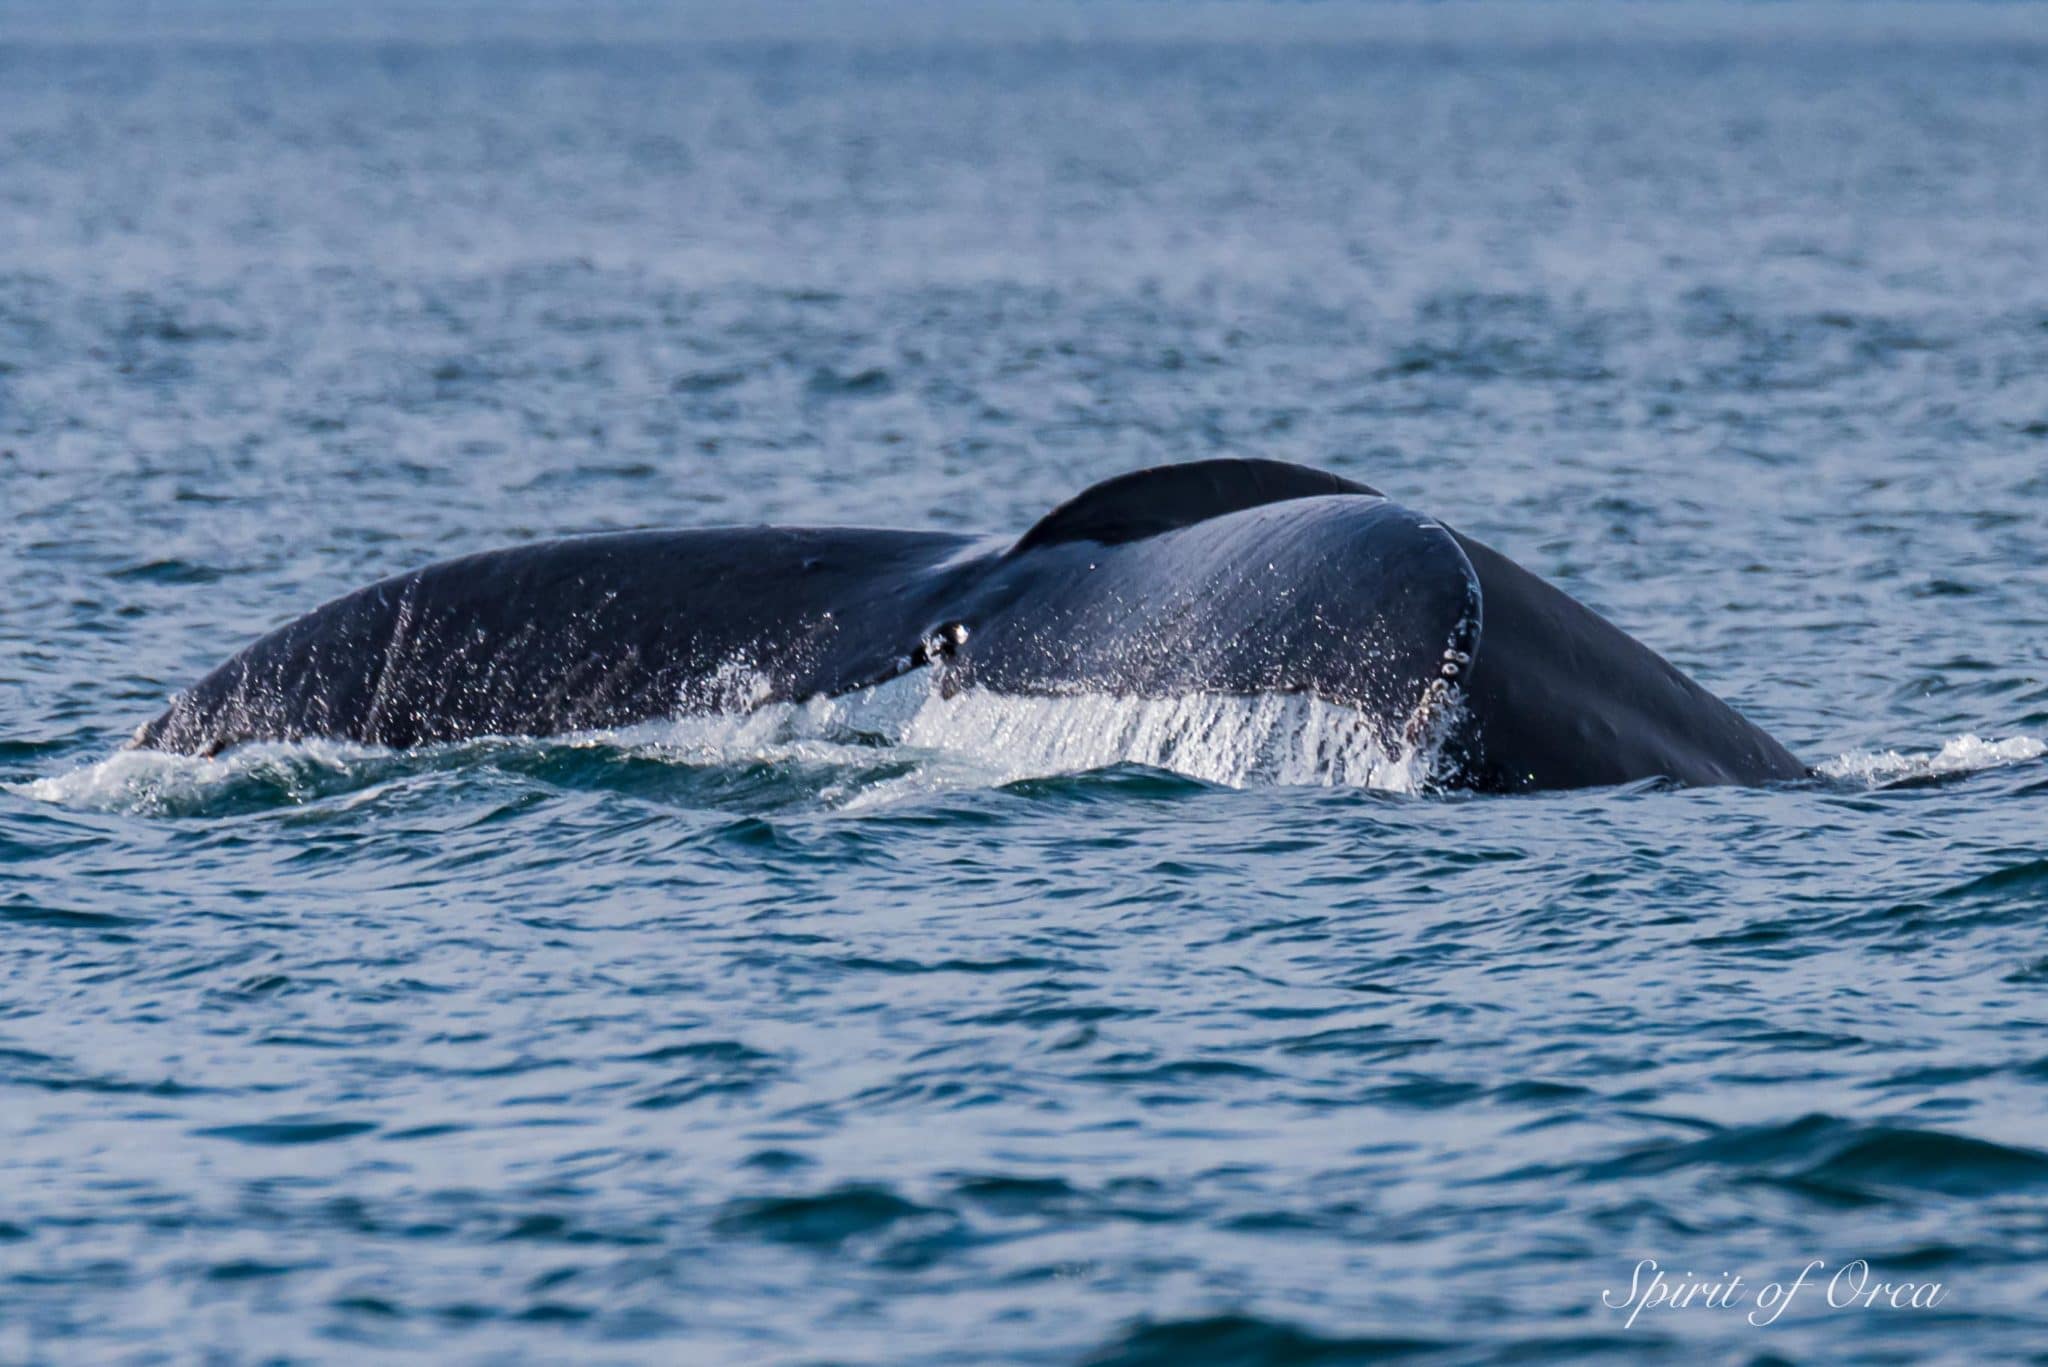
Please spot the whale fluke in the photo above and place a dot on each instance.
(1216, 577)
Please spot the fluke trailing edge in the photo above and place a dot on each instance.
(1219, 577)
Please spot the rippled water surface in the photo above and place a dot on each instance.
(1041, 1033)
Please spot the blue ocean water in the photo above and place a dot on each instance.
(1043, 1033)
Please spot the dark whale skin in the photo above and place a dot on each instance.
(1226, 576)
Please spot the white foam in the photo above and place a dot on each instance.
(154, 783)
(1963, 755)
(972, 739)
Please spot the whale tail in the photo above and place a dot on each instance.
(1239, 577)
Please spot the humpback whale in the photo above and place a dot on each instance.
(1233, 577)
